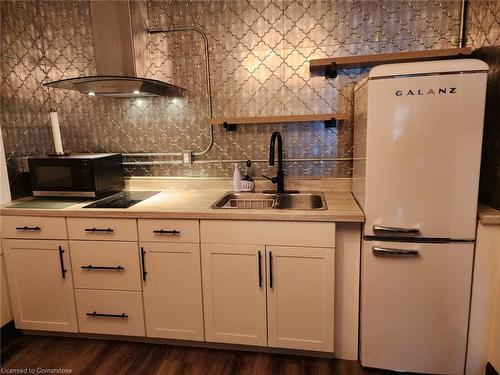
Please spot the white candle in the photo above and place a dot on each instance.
(56, 132)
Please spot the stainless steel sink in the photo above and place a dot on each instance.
(259, 201)
(246, 201)
(308, 201)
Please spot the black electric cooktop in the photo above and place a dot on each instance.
(125, 199)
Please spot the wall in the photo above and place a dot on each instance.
(259, 52)
(4, 178)
(347, 261)
(484, 329)
(5, 307)
(483, 34)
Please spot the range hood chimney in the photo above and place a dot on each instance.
(120, 39)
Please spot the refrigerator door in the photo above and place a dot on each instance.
(423, 154)
(415, 306)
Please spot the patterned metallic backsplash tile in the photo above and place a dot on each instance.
(483, 34)
(259, 53)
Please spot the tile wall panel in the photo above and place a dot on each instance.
(259, 53)
(483, 34)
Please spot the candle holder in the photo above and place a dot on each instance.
(53, 153)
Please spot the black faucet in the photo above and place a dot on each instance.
(280, 178)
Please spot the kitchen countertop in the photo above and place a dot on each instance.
(195, 204)
(488, 215)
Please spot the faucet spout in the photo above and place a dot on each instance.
(271, 150)
(280, 178)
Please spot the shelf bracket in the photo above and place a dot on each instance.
(332, 123)
(331, 71)
(230, 127)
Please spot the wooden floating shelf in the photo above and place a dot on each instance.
(230, 123)
(329, 66)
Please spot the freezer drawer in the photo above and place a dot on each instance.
(415, 306)
(423, 154)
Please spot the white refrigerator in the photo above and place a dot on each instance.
(417, 150)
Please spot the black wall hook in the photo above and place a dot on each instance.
(331, 71)
(332, 123)
(229, 127)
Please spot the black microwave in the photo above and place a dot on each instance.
(77, 175)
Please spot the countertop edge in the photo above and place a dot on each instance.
(195, 205)
(488, 215)
(210, 215)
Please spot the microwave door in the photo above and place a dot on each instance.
(65, 178)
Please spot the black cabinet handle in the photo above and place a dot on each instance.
(91, 267)
(95, 313)
(61, 259)
(271, 269)
(108, 230)
(29, 228)
(260, 269)
(144, 273)
(162, 231)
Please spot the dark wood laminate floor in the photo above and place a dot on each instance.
(93, 357)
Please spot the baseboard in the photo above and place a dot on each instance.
(8, 333)
(196, 344)
(490, 370)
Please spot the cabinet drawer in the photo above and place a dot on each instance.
(105, 265)
(286, 233)
(34, 227)
(169, 230)
(102, 229)
(111, 312)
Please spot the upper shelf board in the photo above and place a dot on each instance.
(330, 120)
(329, 66)
(279, 119)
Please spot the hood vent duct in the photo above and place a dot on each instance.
(120, 40)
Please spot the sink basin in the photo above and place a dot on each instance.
(257, 201)
(246, 201)
(307, 201)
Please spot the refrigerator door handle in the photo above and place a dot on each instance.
(387, 252)
(395, 230)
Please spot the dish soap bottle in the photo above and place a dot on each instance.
(236, 178)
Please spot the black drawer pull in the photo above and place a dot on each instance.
(29, 228)
(260, 269)
(143, 261)
(61, 260)
(271, 276)
(162, 231)
(108, 230)
(95, 313)
(91, 267)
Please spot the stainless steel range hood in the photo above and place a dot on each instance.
(120, 39)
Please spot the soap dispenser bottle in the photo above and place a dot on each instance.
(236, 178)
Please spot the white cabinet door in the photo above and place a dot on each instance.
(41, 285)
(415, 306)
(5, 307)
(300, 292)
(234, 293)
(172, 290)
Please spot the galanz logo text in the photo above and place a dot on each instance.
(420, 92)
